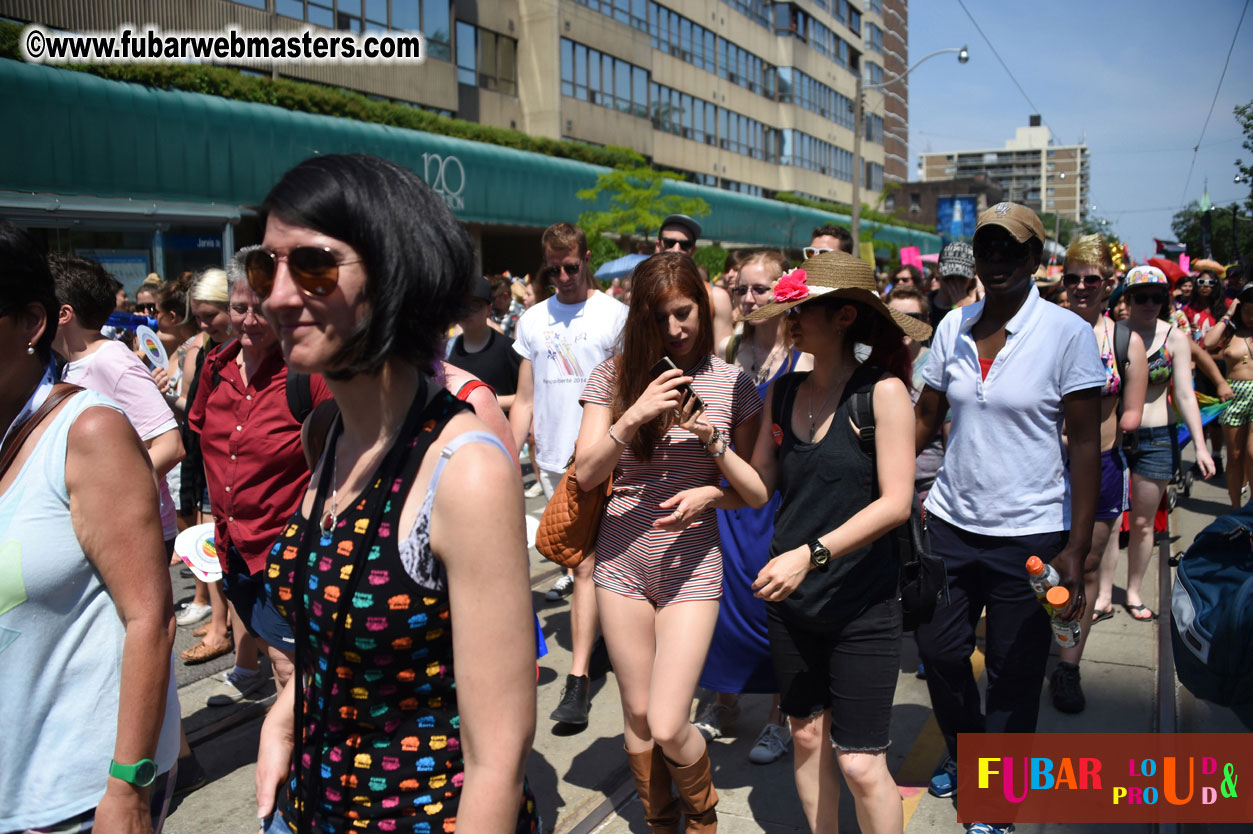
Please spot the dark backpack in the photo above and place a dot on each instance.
(924, 579)
(1211, 622)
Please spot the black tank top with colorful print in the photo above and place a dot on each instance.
(378, 744)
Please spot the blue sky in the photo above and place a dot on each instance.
(1134, 79)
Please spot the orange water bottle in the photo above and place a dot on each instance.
(1065, 632)
(1041, 576)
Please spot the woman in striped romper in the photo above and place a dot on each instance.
(658, 563)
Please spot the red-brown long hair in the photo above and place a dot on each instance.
(643, 343)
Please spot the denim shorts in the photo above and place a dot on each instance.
(850, 669)
(1156, 453)
(252, 602)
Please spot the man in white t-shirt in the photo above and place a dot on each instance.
(561, 339)
(1012, 368)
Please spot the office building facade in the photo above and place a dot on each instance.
(751, 96)
(1031, 169)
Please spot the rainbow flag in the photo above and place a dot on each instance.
(1211, 407)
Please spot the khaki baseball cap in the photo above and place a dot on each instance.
(1018, 220)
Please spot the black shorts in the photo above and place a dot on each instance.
(850, 669)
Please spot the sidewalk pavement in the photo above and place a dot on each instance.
(578, 777)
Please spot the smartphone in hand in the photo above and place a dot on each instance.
(666, 364)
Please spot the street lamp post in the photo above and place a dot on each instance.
(963, 55)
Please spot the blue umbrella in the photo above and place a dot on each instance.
(619, 267)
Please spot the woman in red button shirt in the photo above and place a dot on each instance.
(256, 471)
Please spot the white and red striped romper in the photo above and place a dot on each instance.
(664, 567)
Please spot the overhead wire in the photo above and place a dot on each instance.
(1196, 148)
(1005, 66)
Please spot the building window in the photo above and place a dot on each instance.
(875, 6)
(591, 75)
(874, 128)
(792, 21)
(631, 12)
(874, 72)
(290, 8)
(430, 17)
(874, 38)
(757, 11)
(321, 13)
(816, 97)
(487, 59)
(854, 15)
(804, 151)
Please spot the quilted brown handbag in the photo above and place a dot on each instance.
(568, 527)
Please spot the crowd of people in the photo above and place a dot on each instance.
(341, 408)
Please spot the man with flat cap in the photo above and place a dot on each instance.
(679, 233)
(1012, 368)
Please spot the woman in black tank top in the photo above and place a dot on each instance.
(413, 706)
(831, 584)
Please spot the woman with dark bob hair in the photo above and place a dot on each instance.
(658, 562)
(86, 619)
(413, 704)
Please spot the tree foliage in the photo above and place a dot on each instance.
(712, 258)
(1244, 115)
(1187, 227)
(636, 204)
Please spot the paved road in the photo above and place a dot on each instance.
(579, 779)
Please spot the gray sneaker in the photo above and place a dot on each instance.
(773, 742)
(232, 688)
(717, 720)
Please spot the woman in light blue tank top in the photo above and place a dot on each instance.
(84, 591)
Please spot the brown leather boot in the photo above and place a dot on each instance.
(697, 796)
(652, 781)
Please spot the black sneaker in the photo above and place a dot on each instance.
(1067, 694)
(575, 701)
(190, 775)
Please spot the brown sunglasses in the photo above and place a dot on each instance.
(313, 269)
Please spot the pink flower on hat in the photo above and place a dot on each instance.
(792, 287)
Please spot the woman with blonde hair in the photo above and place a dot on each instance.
(210, 297)
(1088, 276)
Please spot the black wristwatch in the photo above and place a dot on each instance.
(819, 556)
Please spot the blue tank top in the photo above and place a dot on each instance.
(60, 648)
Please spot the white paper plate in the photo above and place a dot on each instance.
(150, 344)
(195, 547)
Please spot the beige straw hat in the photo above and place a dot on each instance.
(841, 275)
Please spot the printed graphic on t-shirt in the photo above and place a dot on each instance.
(561, 352)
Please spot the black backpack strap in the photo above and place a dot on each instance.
(862, 406)
(1122, 359)
(299, 395)
(1122, 346)
(783, 388)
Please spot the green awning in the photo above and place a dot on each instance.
(75, 133)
